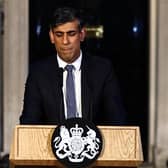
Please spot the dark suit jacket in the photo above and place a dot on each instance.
(43, 100)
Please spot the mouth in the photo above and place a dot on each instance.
(66, 49)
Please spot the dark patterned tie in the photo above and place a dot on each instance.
(70, 93)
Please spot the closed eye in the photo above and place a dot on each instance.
(69, 33)
(58, 34)
(72, 33)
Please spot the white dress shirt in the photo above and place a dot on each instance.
(77, 82)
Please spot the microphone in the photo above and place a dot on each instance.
(60, 82)
(60, 76)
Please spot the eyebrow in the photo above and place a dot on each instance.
(70, 31)
(65, 32)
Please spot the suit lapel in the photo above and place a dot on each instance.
(86, 90)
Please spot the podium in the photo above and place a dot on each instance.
(31, 147)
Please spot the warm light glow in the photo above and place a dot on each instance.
(95, 31)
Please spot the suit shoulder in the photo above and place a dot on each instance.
(43, 64)
(100, 61)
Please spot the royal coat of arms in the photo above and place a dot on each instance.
(76, 143)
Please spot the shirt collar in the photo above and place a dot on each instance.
(76, 63)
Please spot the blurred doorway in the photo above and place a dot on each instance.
(124, 41)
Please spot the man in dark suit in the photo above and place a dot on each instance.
(96, 91)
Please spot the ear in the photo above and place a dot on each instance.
(51, 35)
(83, 34)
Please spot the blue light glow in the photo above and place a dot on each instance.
(38, 29)
(135, 29)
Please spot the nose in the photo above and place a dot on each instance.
(65, 39)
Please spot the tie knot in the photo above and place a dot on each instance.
(69, 68)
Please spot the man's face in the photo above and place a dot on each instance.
(66, 38)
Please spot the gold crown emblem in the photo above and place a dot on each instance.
(76, 131)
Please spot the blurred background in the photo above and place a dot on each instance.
(132, 33)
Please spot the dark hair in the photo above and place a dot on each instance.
(66, 14)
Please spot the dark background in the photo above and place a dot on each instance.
(127, 48)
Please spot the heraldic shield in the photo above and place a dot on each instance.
(76, 143)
